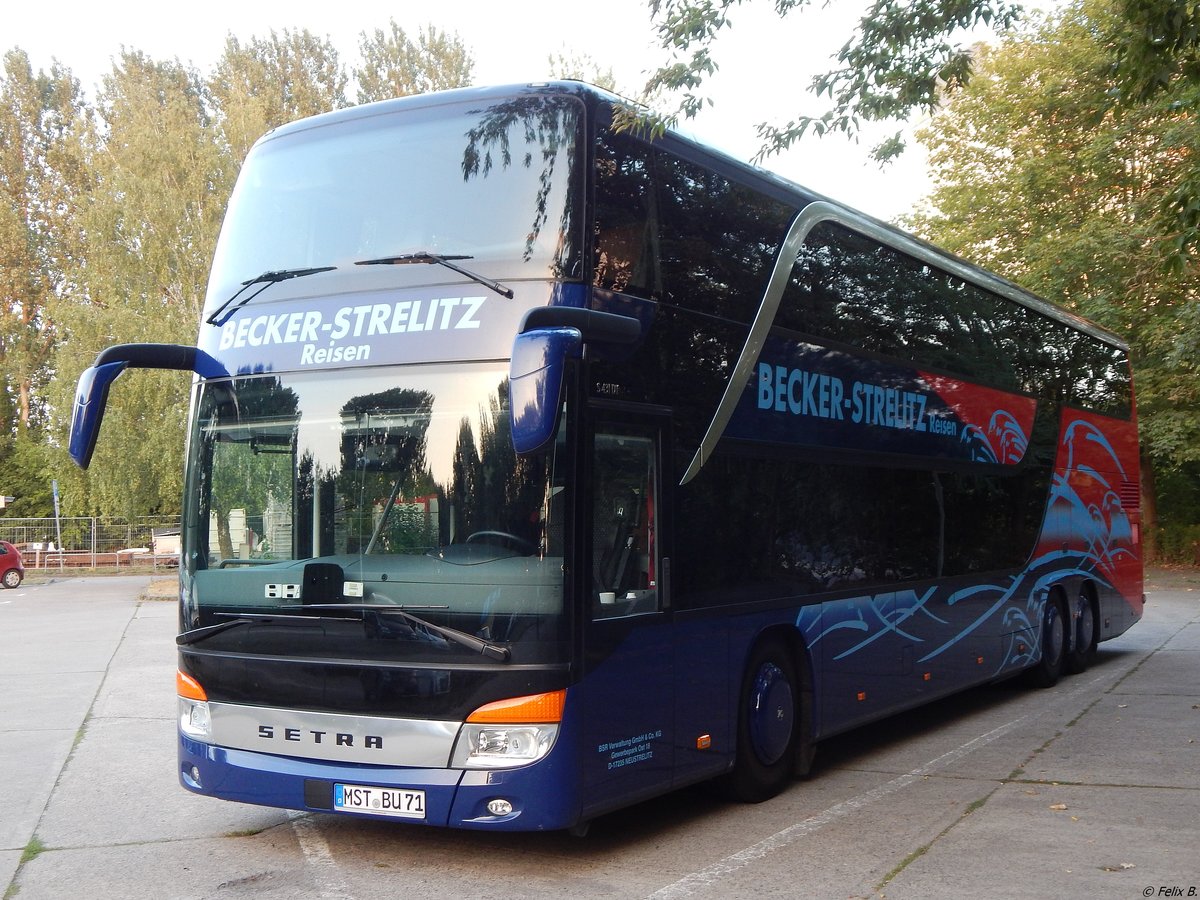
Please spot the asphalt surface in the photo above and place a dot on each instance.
(1090, 789)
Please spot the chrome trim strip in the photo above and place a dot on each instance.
(334, 737)
(806, 220)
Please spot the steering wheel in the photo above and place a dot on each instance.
(518, 543)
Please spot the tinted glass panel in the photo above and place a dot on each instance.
(759, 529)
(672, 230)
(383, 487)
(496, 184)
(850, 289)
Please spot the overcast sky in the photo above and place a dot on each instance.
(766, 63)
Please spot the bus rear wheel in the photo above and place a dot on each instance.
(1054, 643)
(769, 725)
(1083, 634)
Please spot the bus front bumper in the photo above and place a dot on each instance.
(536, 797)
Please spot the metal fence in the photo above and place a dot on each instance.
(94, 542)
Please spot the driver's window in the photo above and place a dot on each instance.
(624, 505)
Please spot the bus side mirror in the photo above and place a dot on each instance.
(91, 394)
(548, 337)
(535, 380)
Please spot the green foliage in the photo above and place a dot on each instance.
(39, 180)
(1044, 174)
(582, 68)
(270, 81)
(25, 475)
(910, 56)
(109, 215)
(1179, 509)
(1155, 50)
(1156, 46)
(396, 66)
(901, 58)
(150, 224)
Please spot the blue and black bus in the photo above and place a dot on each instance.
(537, 467)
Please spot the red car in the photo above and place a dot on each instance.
(11, 569)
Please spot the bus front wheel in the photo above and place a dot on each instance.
(769, 724)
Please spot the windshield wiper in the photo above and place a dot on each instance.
(453, 634)
(422, 256)
(266, 279)
(199, 634)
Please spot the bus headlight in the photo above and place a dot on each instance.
(509, 733)
(502, 746)
(194, 720)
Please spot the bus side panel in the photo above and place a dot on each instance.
(877, 654)
(706, 698)
(1094, 521)
(627, 698)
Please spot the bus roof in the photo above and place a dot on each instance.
(756, 176)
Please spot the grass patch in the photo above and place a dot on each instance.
(33, 850)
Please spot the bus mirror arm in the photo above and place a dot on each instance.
(91, 394)
(548, 337)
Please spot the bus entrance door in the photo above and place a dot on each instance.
(628, 683)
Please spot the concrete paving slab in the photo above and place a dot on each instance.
(32, 763)
(1187, 639)
(46, 701)
(1127, 740)
(1105, 842)
(268, 865)
(10, 860)
(140, 682)
(67, 656)
(1171, 672)
(121, 788)
(854, 852)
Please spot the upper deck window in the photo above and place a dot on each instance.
(672, 230)
(493, 182)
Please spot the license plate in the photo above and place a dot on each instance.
(379, 801)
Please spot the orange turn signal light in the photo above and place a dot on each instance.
(533, 709)
(188, 687)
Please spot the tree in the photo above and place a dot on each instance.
(396, 66)
(268, 82)
(1155, 45)
(582, 68)
(902, 58)
(151, 221)
(1042, 176)
(40, 180)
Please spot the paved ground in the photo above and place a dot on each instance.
(1091, 789)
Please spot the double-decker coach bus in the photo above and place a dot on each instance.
(536, 468)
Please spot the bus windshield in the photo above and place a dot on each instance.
(403, 482)
(492, 183)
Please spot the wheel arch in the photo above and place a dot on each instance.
(790, 637)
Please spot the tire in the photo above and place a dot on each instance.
(769, 725)
(1050, 667)
(12, 578)
(1083, 634)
